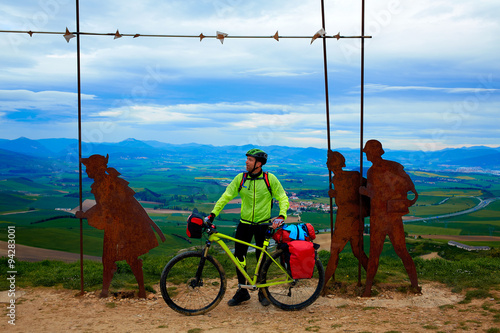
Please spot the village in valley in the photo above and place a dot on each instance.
(297, 205)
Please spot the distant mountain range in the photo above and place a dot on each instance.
(48, 153)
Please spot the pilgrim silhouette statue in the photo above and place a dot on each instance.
(391, 193)
(348, 227)
(128, 230)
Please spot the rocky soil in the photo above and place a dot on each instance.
(436, 310)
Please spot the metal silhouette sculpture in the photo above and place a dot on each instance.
(347, 224)
(128, 230)
(388, 186)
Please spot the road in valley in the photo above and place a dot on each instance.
(482, 204)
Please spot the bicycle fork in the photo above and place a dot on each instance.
(198, 280)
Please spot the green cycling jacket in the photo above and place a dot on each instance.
(256, 200)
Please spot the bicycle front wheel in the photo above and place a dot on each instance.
(289, 294)
(190, 288)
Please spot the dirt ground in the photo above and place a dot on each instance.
(431, 255)
(436, 310)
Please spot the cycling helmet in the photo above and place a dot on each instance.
(259, 155)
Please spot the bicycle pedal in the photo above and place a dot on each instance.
(247, 286)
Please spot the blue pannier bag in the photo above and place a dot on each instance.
(291, 232)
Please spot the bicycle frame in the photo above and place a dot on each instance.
(218, 238)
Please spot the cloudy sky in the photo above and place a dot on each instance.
(431, 72)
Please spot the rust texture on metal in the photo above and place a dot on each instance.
(128, 230)
(388, 187)
(349, 207)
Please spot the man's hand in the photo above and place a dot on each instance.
(278, 222)
(210, 218)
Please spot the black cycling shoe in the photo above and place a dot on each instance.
(263, 300)
(241, 295)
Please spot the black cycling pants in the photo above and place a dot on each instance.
(246, 232)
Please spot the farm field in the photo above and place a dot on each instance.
(37, 205)
(34, 204)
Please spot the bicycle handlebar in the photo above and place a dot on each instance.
(211, 228)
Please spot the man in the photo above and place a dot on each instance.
(387, 186)
(257, 189)
(347, 223)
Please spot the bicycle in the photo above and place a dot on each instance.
(194, 282)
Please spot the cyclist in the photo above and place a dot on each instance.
(257, 189)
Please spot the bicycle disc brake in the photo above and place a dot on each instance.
(195, 283)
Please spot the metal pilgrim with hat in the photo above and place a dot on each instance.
(128, 230)
(388, 187)
(350, 208)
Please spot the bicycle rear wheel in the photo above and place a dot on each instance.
(296, 294)
(187, 293)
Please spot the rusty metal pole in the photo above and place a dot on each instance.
(361, 218)
(325, 66)
(79, 137)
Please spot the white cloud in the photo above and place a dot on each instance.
(148, 115)
(242, 114)
(374, 88)
(278, 72)
(440, 122)
(428, 56)
(47, 101)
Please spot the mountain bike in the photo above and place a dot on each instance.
(194, 282)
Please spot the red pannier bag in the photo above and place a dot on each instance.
(291, 232)
(302, 259)
(194, 225)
